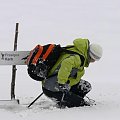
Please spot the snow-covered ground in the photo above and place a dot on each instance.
(61, 21)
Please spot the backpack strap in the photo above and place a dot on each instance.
(50, 48)
(64, 49)
(40, 49)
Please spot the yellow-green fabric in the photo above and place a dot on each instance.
(68, 62)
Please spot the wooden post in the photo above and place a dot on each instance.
(14, 66)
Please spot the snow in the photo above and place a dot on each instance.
(61, 21)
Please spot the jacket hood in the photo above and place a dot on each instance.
(82, 46)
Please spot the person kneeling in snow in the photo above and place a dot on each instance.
(64, 84)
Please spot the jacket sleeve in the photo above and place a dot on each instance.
(66, 68)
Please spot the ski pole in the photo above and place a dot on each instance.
(62, 100)
(35, 100)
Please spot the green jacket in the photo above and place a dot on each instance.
(68, 62)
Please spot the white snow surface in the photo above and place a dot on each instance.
(60, 22)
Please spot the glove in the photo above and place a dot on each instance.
(64, 88)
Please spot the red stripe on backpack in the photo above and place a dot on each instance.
(50, 48)
(36, 57)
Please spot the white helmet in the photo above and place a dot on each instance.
(95, 51)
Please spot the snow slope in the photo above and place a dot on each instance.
(61, 21)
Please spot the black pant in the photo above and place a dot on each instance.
(74, 98)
